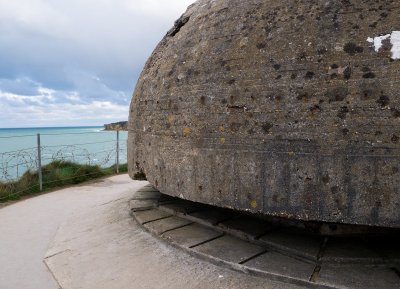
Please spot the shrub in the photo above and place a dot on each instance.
(56, 174)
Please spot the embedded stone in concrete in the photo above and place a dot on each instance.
(140, 205)
(357, 276)
(191, 235)
(151, 215)
(294, 243)
(246, 227)
(167, 224)
(211, 217)
(349, 250)
(230, 249)
(279, 264)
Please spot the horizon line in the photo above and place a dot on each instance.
(44, 127)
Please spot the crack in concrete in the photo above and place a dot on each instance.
(58, 253)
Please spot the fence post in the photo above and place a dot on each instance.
(117, 151)
(39, 169)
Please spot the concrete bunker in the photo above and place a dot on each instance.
(283, 108)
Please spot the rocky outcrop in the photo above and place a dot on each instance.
(122, 125)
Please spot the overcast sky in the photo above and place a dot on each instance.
(76, 62)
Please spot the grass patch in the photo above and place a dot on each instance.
(55, 175)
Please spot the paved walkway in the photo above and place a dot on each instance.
(88, 240)
(28, 227)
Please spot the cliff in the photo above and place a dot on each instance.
(122, 125)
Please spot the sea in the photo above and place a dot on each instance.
(86, 145)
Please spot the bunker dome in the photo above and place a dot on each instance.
(285, 108)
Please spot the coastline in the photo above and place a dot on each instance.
(84, 145)
(116, 126)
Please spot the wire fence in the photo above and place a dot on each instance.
(57, 159)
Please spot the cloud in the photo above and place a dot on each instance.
(48, 107)
(23, 85)
(87, 51)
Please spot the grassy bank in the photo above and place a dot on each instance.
(55, 175)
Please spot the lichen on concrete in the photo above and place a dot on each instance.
(275, 107)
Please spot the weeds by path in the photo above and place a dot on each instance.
(57, 174)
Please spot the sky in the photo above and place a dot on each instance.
(76, 62)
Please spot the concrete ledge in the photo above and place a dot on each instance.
(261, 249)
(102, 247)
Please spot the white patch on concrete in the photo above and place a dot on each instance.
(244, 41)
(377, 41)
(394, 40)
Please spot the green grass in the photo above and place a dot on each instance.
(57, 174)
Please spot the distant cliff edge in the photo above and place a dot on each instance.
(122, 125)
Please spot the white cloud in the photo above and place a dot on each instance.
(57, 108)
(89, 22)
(156, 7)
(78, 59)
(74, 97)
(29, 12)
(60, 114)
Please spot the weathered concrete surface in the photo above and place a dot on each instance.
(281, 264)
(295, 243)
(358, 251)
(94, 243)
(280, 107)
(250, 227)
(102, 247)
(192, 235)
(210, 217)
(358, 277)
(167, 224)
(27, 228)
(151, 215)
(231, 249)
(287, 254)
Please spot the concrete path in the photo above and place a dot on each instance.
(88, 240)
(27, 228)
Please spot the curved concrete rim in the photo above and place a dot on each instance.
(192, 228)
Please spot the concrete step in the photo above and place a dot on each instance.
(248, 244)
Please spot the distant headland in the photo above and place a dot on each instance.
(122, 125)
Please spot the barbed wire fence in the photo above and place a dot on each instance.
(33, 169)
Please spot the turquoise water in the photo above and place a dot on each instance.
(89, 145)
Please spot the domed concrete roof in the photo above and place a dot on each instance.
(286, 108)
